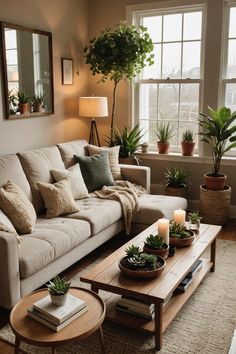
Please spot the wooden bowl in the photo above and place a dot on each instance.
(157, 252)
(183, 242)
(142, 274)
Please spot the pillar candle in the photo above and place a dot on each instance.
(179, 216)
(163, 229)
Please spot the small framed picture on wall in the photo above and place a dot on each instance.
(67, 71)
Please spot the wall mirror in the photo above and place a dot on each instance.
(26, 56)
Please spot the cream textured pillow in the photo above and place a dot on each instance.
(113, 157)
(6, 226)
(74, 175)
(18, 208)
(58, 198)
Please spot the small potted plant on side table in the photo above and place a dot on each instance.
(194, 222)
(156, 245)
(58, 289)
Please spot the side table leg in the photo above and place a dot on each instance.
(102, 339)
(94, 288)
(54, 351)
(17, 345)
(213, 255)
(158, 324)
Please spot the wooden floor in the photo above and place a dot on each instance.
(228, 233)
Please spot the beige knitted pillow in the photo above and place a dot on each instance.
(58, 198)
(18, 208)
(113, 157)
(6, 226)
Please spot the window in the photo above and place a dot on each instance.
(12, 60)
(170, 90)
(229, 62)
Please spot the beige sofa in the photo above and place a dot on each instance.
(57, 243)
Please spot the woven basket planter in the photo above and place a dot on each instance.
(214, 205)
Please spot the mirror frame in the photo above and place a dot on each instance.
(4, 25)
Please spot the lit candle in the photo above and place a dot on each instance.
(179, 216)
(163, 229)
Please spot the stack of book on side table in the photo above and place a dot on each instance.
(184, 284)
(57, 317)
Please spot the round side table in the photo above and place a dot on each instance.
(32, 332)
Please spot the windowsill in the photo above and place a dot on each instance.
(153, 155)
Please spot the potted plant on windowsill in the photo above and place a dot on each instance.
(164, 133)
(219, 133)
(187, 143)
(38, 102)
(23, 102)
(177, 181)
(58, 289)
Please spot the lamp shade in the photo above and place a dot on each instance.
(93, 107)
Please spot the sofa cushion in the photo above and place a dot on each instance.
(154, 207)
(58, 198)
(50, 239)
(17, 207)
(37, 165)
(11, 169)
(96, 171)
(71, 148)
(113, 157)
(100, 213)
(73, 173)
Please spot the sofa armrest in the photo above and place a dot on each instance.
(9, 270)
(137, 174)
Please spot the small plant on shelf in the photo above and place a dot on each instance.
(58, 289)
(187, 143)
(187, 136)
(180, 236)
(194, 221)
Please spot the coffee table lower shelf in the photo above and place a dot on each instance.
(169, 312)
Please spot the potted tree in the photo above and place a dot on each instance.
(23, 102)
(187, 143)
(177, 181)
(129, 142)
(58, 289)
(119, 53)
(137, 264)
(219, 133)
(164, 133)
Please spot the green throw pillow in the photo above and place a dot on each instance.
(95, 170)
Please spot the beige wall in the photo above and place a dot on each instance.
(67, 20)
(108, 13)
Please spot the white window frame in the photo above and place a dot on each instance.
(134, 16)
(224, 59)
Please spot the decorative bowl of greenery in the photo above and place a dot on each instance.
(180, 236)
(58, 289)
(155, 244)
(164, 133)
(137, 264)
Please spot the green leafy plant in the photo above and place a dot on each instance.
(143, 260)
(187, 136)
(155, 242)
(129, 140)
(194, 216)
(219, 133)
(164, 132)
(12, 100)
(22, 97)
(178, 231)
(38, 99)
(58, 286)
(119, 53)
(176, 177)
(132, 251)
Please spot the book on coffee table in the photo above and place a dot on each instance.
(135, 307)
(40, 317)
(58, 314)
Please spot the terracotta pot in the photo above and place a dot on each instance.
(163, 252)
(38, 107)
(24, 108)
(215, 183)
(163, 148)
(142, 274)
(187, 148)
(175, 191)
(183, 242)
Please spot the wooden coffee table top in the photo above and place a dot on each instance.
(33, 332)
(107, 276)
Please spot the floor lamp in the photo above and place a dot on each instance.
(93, 107)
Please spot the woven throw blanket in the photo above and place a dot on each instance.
(127, 194)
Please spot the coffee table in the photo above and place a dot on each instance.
(30, 331)
(107, 276)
